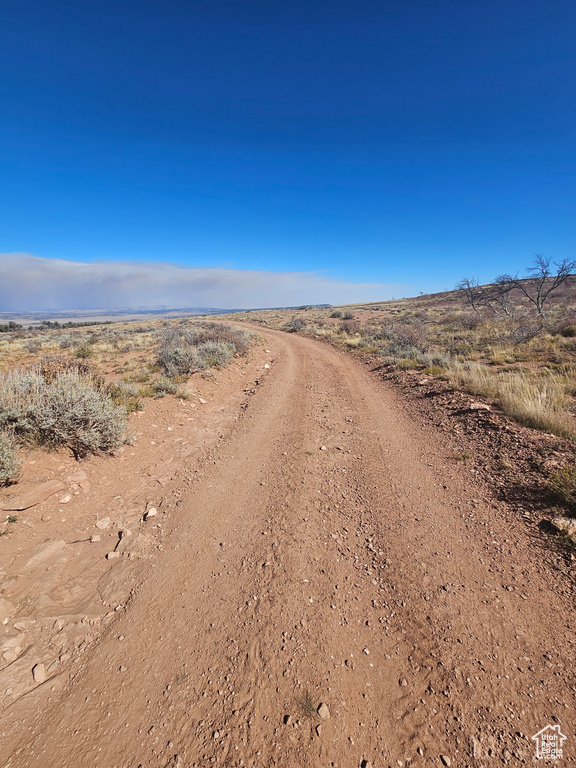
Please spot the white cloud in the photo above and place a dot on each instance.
(33, 283)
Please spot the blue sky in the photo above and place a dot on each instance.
(397, 144)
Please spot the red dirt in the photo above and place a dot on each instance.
(316, 545)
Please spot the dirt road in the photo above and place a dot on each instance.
(326, 550)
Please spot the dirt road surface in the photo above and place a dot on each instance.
(325, 550)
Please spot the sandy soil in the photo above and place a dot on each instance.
(313, 545)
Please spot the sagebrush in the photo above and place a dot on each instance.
(67, 410)
(186, 350)
(9, 464)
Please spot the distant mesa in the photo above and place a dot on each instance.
(36, 317)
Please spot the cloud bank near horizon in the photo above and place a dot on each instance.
(30, 283)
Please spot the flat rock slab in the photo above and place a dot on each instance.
(33, 496)
(114, 586)
(6, 610)
(43, 553)
(18, 678)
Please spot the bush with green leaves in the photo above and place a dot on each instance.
(9, 464)
(69, 410)
(9, 327)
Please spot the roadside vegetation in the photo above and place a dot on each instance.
(74, 387)
(511, 343)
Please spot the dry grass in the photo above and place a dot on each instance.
(474, 378)
(542, 401)
(539, 403)
(527, 366)
(308, 706)
(562, 484)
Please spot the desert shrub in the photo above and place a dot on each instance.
(164, 386)
(404, 351)
(201, 333)
(144, 375)
(387, 333)
(9, 463)
(438, 359)
(348, 316)
(183, 351)
(562, 485)
(403, 336)
(126, 395)
(51, 366)
(567, 327)
(66, 341)
(68, 411)
(216, 353)
(33, 346)
(525, 330)
(177, 355)
(84, 351)
(414, 335)
(294, 324)
(350, 326)
(458, 347)
(336, 313)
(468, 321)
(368, 343)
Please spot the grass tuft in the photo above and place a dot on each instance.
(562, 485)
(308, 706)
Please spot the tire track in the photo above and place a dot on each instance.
(325, 551)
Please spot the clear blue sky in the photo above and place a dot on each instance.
(406, 142)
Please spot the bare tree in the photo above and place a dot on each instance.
(543, 280)
(500, 296)
(475, 294)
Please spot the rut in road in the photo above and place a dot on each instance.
(363, 576)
